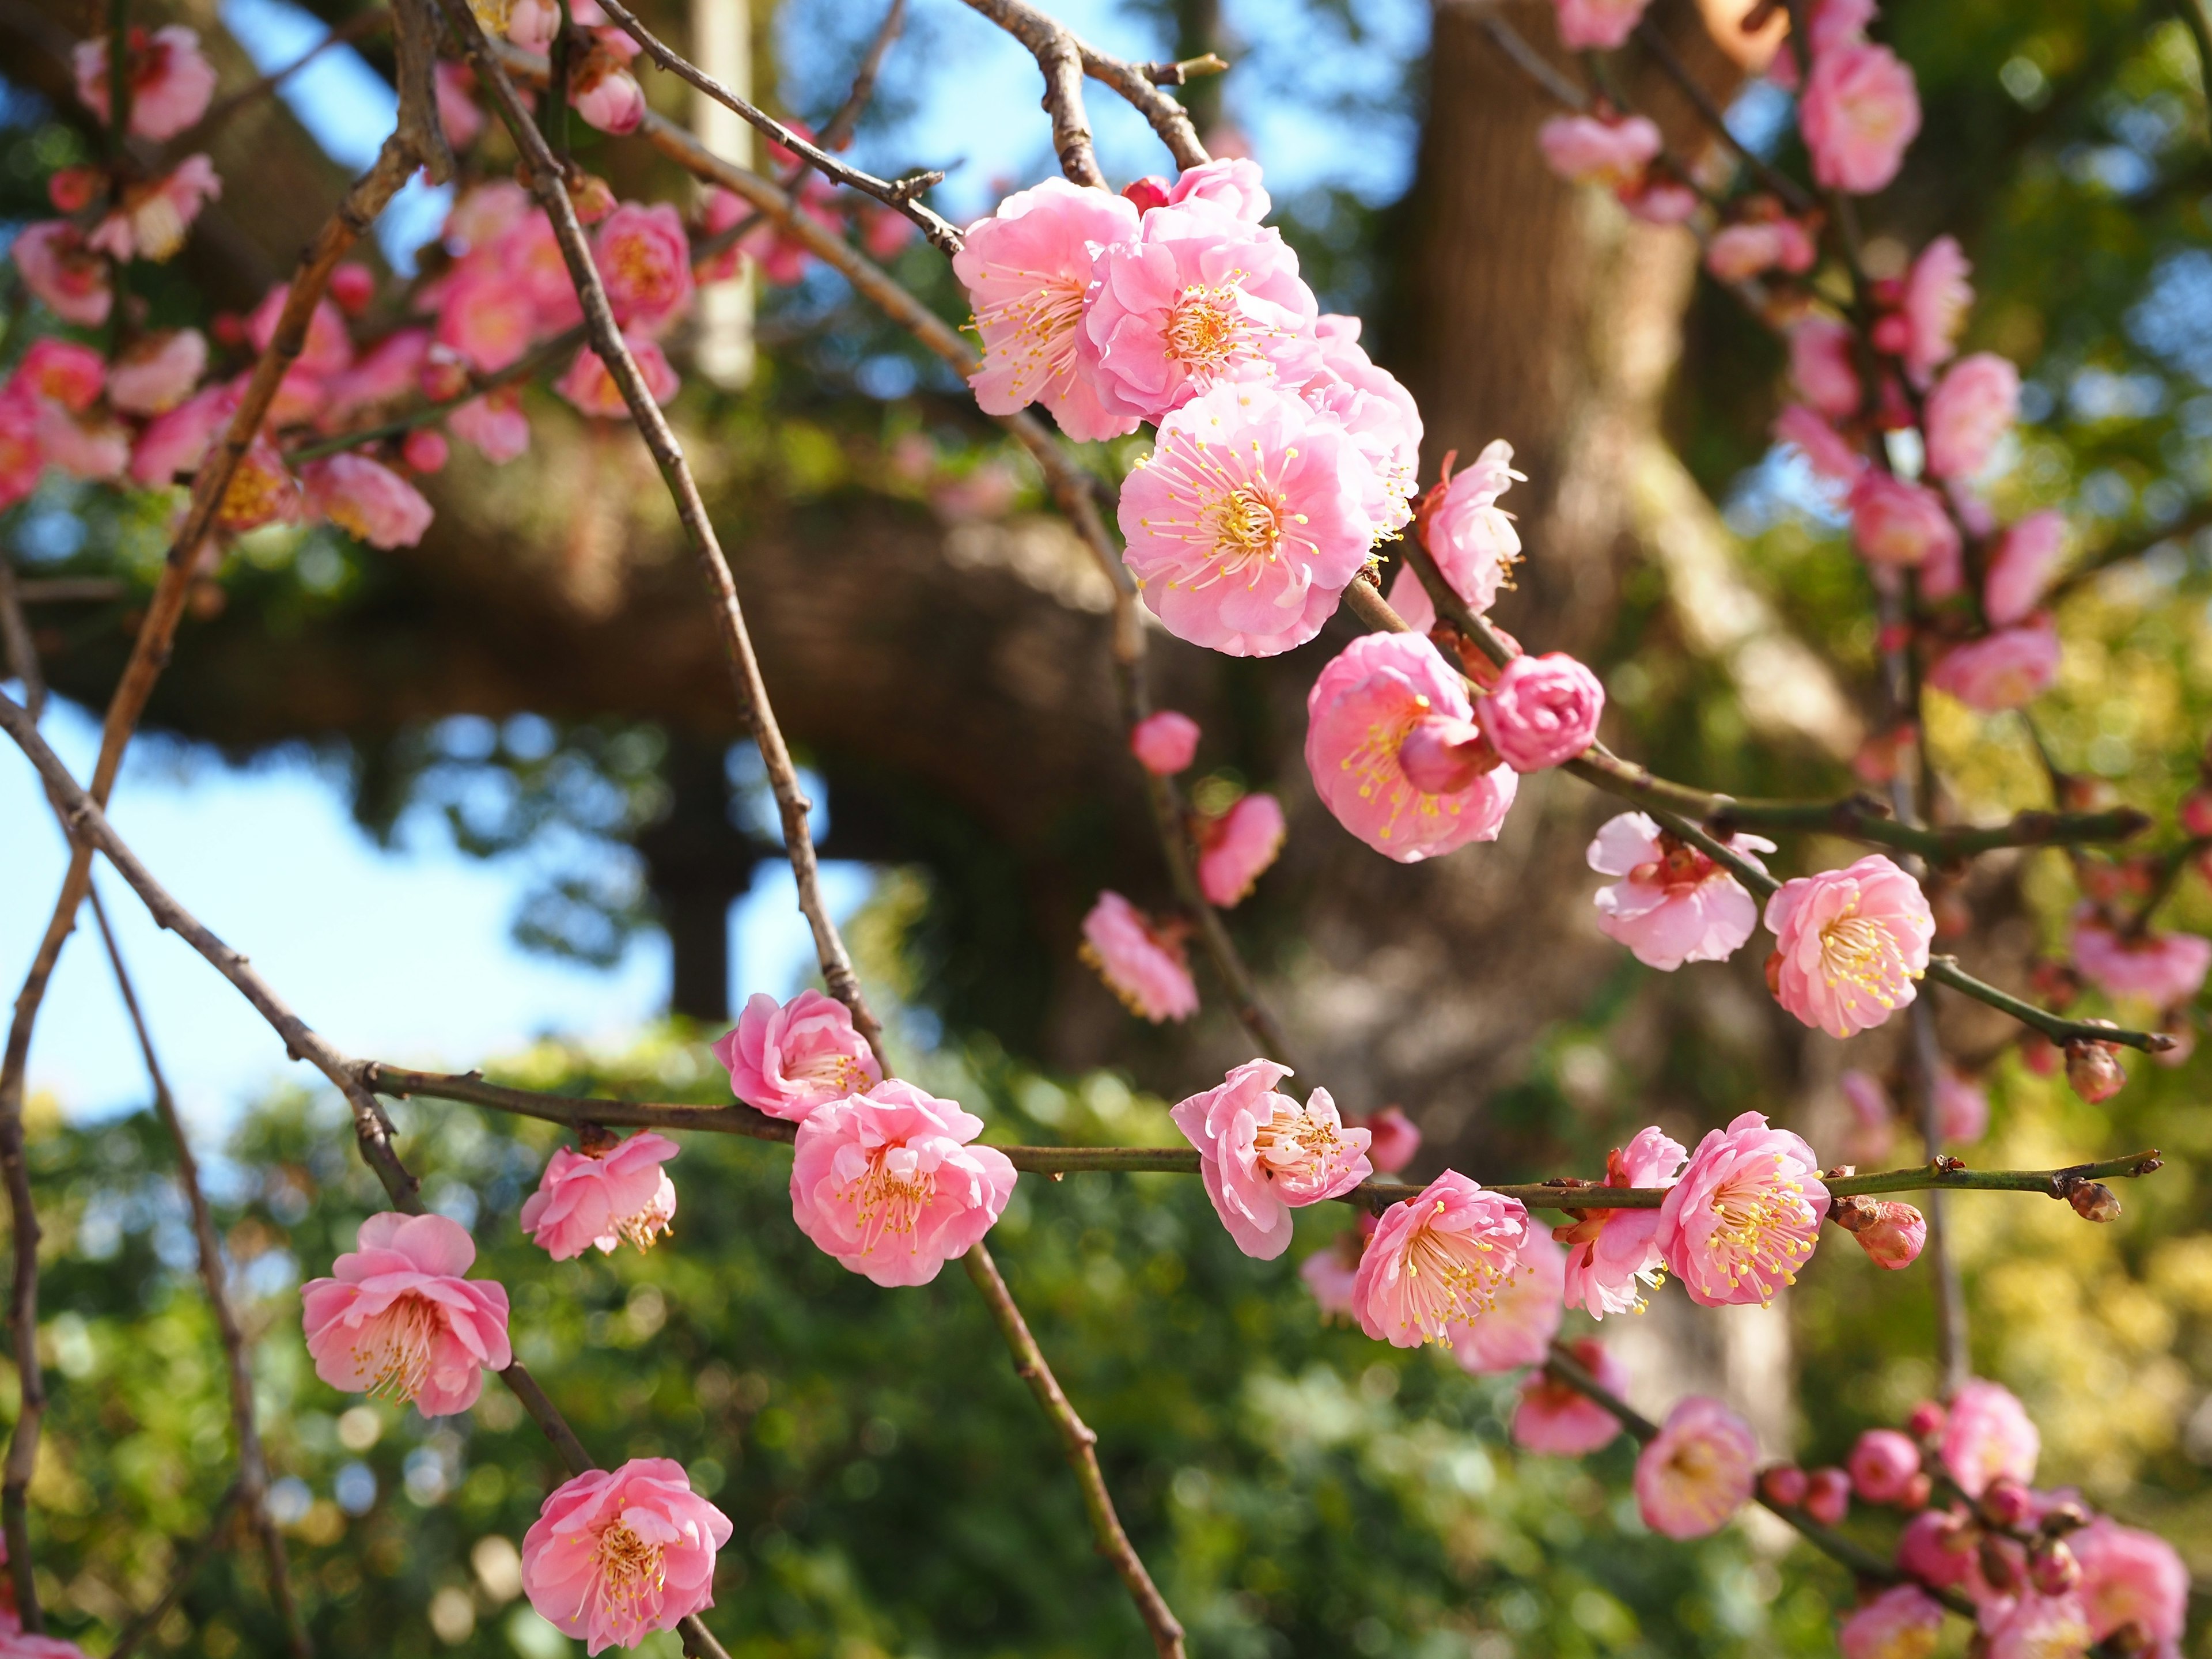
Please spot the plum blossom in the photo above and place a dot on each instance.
(1378, 416)
(1988, 1436)
(170, 80)
(1590, 149)
(1519, 1328)
(786, 1059)
(1195, 301)
(2164, 969)
(1542, 711)
(262, 491)
(1903, 1622)
(1470, 537)
(1382, 692)
(1882, 1464)
(328, 348)
(1825, 450)
(1142, 964)
(384, 375)
(425, 450)
(1745, 250)
(1859, 112)
(592, 388)
(1614, 1252)
(1438, 1262)
(61, 372)
(1245, 523)
(1937, 1547)
(2130, 1577)
(1696, 1472)
(1897, 523)
(1745, 1214)
(615, 1554)
(1559, 1421)
(1331, 1272)
(58, 267)
(1936, 299)
(399, 1319)
(606, 95)
(21, 460)
(1263, 1155)
(1962, 1106)
(1852, 943)
(887, 1183)
(158, 371)
(2040, 1627)
(1394, 1139)
(645, 260)
(2021, 569)
(493, 423)
(603, 1195)
(1164, 742)
(1672, 904)
(1235, 848)
(1820, 364)
(1892, 1234)
(1604, 24)
(178, 441)
(2009, 668)
(367, 499)
(1230, 186)
(1972, 406)
(151, 220)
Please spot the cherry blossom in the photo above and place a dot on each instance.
(1522, 1320)
(1142, 964)
(170, 80)
(1382, 691)
(1562, 1421)
(1857, 113)
(397, 1318)
(2164, 969)
(1745, 1214)
(1437, 1261)
(786, 1059)
(1902, 1622)
(1852, 943)
(1164, 742)
(602, 1196)
(887, 1183)
(1542, 711)
(1672, 904)
(1972, 406)
(1235, 848)
(367, 499)
(1613, 1254)
(2022, 568)
(1245, 523)
(616, 1554)
(1696, 1472)
(1263, 1155)
(2009, 668)
(1988, 1436)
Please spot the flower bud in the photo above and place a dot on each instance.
(2092, 1200)
(1883, 1465)
(1918, 1491)
(1890, 1233)
(2052, 1567)
(2001, 1564)
(2007, 1503)
(1784, 1484)
(2065, 1516)
(1147, 193)
(2093, 1070)
(1927, 1420)
(1828, 1496)
(1164, 742)
(2196, 813)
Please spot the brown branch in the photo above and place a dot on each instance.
(1080, 1442)
(901, 196)
(1059, 56)
(22, 652)
(1655, 41)
(64, 590)
(252, 1462)
(837, 131)
(189, 1568)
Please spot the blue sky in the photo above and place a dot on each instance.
(405, 954)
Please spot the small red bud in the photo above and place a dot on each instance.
(1918, 1491)
(2007, 1503)
(2093, 1070)
(1147, 193)
(1784, 1484)
(2053, 1568)
(2196, 813)
(1828, 1496)
(1927, 1420)
(353, 286)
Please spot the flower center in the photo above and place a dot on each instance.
(1205, 328)
(1245, 526)
(1295, 1142)
(891, 1196)
(1762, 1229)
(393, 1350)
(630, 1568)
(1450, 1278)
(1041, 323)
(1861, 952)
(643, 1226)
(840, 1072)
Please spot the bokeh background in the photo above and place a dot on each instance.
(484, 802)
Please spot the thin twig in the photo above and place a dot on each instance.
(1525, 57)
(1655, 41)
(65, 590)
(1059, 56)
(354, 28)
(837, 131)
(22, 652)
(180, 1579)
(252, 1462)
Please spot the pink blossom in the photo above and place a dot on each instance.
(1972, 406)
(262, 491)
(2022, 567)
(1543, 710)
(1743, 251)
(493, 423)
(62, 372)
(591, 389)
(425, 450)
(1745, 1214)
(1235, 849)
(1331, 1273)
(328, 348)
(1604, 24)
(2041, 1627)
(178, 442)
(1882, 1465)
(1988, 1436)
(1892, 1234)
(1470, 536)
(399, 1318)
(645, 260)
(887, 1183)
(1613, 1253)
(1164, 742)
(2131, 1577)
(1820, 364)
(22, 460)
(58, 267)
(1838, 22)
(532, 24)
(1828, 1496)
(1937, 297)
(606, 95)
(786, 1059)
(1231, 185)
(1561, 1421)
(1394, 1139)
(1859, 112)
(367, 499)
(171, 81)
(153, 218)
(1903, 1622)
(486, 319)
(383, 374)
(1852, 943)
(156, 372)
(1590, 149)
(1962, 1107)
(2009, 668)
(1825, 451)
(528, 256)
(1245, 523)
(602, 1197)
(1937, 1548)
(1263, 1155)
(1523, 1319)
(1378, 416)
(1196, 301)
(2164, 969)
(1658, 200)
(83, 446)
(1380, 692)
(1142, 964)
(1438, 1262)
(1874, 1127)
(1698, 1471)
(457, 111)
(615, 1554)
(1672, 904)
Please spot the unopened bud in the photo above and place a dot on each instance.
(2196, 813)
(596, 1140)
(1893, 1236)
(2065, 1516)
(1927, 1420)
(2001, 1564)
(1148, 192)
(2053, 1568)
(2093, 1070)
(1828, 1496)
(2007, 1503)
(1784, 1484)
(1918, 1491)
(2092, 1200)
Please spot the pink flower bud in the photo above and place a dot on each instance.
(1937, 1547)
(425, 451)
(1166, 743)
(1927, 1420)
(1148, 192)
(2092, 1200)
(1442, 756)
(1891, 1234)
(2093, 1070)
(353, 286)
(1971, 409)
(2053, 1567)
(1899, 523)
(1784, 1484)
(2196, 813)
(1235, 848)
(1543, 710)
(2007, 1503)
(1918, 1491)
(1828, 1496)
(1882, 1465)
(1392, 1139)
